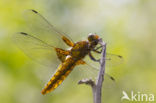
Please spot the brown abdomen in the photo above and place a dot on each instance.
(62, 72)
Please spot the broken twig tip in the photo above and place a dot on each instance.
(87, 81)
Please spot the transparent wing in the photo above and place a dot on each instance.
(81, 72)
(113, 59)
(38, 26)
(88, 71)
(37, 38)
(91, 68)
(35, 48)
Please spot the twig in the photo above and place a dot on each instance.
(91, 83)
(97, 87)
(100, 78)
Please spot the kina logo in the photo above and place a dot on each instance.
(137, 97)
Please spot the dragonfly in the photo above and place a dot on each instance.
(42, 40)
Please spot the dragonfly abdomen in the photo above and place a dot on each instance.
(62, 72)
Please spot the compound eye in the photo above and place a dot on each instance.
(92, 37)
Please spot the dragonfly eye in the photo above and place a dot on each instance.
(92, 37)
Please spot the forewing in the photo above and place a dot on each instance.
(35, 48)
(38, 26)
(113, 59)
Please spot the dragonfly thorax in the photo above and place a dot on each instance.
(80, 50)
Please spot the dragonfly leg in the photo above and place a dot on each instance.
(99, 52)
(96, 50)
(67, 41)
(61, 54)
(92, 58)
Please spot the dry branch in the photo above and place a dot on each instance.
(97, 87)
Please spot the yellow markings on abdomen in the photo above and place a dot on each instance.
(62, 72)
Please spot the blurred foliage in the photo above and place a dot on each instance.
(128, 27)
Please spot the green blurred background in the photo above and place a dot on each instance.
(128, 27)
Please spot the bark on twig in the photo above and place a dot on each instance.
(97, 87)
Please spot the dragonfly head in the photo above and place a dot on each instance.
(93, 39)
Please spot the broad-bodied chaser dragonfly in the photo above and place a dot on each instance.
(40, 43)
